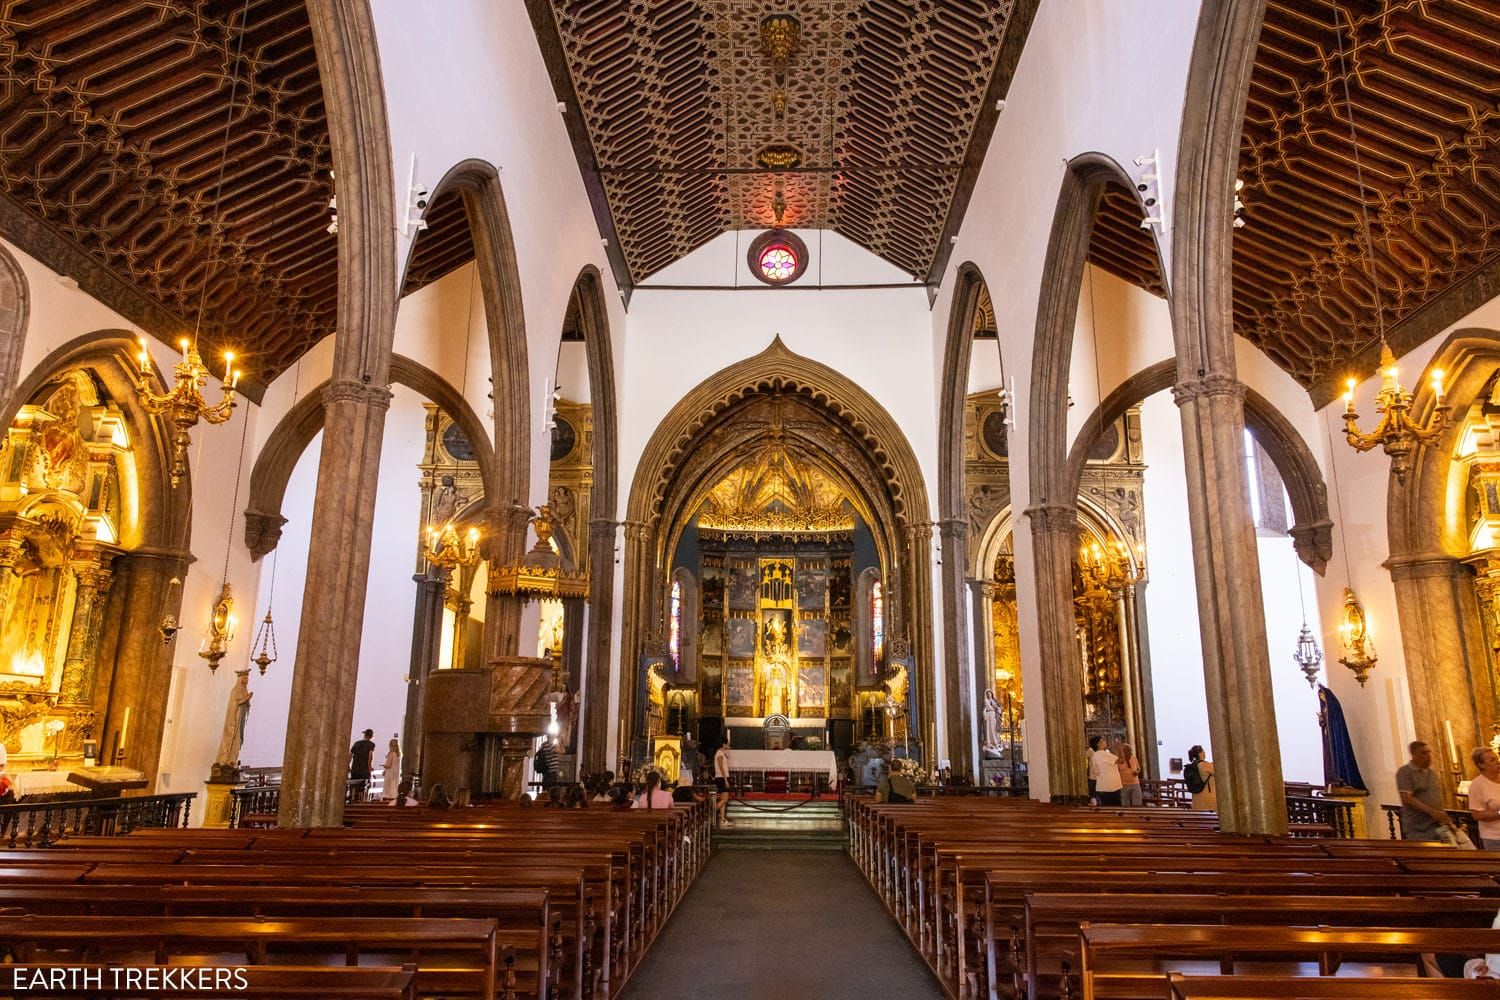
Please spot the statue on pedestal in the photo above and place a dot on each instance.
(992, 720)
(236, 714)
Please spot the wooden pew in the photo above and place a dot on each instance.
(1131, 962)
(1326, 988)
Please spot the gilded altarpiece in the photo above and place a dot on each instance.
(67, 491)
(451, 484)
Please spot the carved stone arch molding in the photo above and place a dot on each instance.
(478, 184)
(135, 667)
(1053, 492)
(693, 442)
(1442, 633)
(15, 308)
(593, 321)
(1312, 528)
(960, 687)
(284, 447)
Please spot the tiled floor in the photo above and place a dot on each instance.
(781, 925)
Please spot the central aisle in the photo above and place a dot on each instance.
(779, 925)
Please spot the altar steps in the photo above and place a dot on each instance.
(783, 826)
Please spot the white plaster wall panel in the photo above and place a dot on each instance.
(984, 367)
(465, 79)
(573, 372)
(1119, 331)
(1300, 736)
(1177, 685)
(442, 326)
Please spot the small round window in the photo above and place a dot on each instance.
(777, 257)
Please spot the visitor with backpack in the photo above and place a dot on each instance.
(1199, 776)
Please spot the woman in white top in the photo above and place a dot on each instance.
(392, 770)
(1484, 797)
(1108, 783)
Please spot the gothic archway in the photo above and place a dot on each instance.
(833, 424)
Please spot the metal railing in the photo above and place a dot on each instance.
(258, 805)
(40, 824)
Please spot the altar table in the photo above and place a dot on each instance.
(791, 761)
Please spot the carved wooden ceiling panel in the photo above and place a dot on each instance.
(445, 245)
(1424, 82)
(113, 118)
(1120, 246)
(687, 110)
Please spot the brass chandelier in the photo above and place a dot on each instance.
(184, 404)
(447, 550)
(1396, 433)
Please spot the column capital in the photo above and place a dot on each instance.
(919, 531)
(603, 528)
(351, 390)
(262, 531)
(1209, 385)
(1424, 566)
(953, 528)
(1313, 543)
(637, 531)
(1053, 518)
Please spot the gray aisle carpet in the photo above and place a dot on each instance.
(781, 925)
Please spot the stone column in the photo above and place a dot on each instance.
(593, 727)
(1140, 653)
(1446, 667)
(982, 596)
(912, 602)
(640, 578)
(139, 663)
(461, 607)
(82, 660)
(958, 681)
(1231, 615)
(427, 624)
(321, 714)
(1054, 537)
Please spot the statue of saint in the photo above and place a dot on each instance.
(445, 502)
(991, 720)
(776, 692)
(235, 717)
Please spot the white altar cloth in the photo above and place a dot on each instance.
(801, 761)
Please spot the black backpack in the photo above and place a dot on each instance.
(1195, 781)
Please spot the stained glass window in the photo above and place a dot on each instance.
(877, 623)
(778, 263)
(674, 639)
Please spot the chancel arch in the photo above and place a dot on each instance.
(779, 476)
(94, 546)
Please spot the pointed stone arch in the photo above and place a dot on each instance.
(15, 310)
(697, 438)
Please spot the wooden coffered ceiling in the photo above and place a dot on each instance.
(1120, 245)
(1424, 80)
(114, 115)
(888, 104)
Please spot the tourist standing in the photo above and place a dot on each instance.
(361, 760)
(1422, 813)
(721, 786)
(1095, 742)
(1484, 797)
(896, 786)
(1107, 783)
(392, 775)
(1199, 778)
(1130, 777)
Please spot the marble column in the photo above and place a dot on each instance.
(593, 727)
(1054, 538)
(82, 659)
(321, 714)
(1447, 669)
(639, 582)
(1135, 604)
(982, 642)
(958, 680)
(427, 626)
(1231, 615)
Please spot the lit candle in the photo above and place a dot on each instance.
(1349, 396)
(1437, 384)
(1452, 746)
(183, 343)
(124, 728)
(145, 357)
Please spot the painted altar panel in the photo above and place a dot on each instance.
(812, 635)
(711, 642)
(740, 637)
(812, 685)
(739, 689)
(742, 584)
(710, 685)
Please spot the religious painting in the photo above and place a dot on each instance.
(840, 692)
(838, 587)
(740, 637)
(812, 586)
(812, 635)
(994, 434)
(711, 642)
(739, 693)
(812, 685)
(711, 590)
(743, 577)
(711, 686)
(775, 629)
(842, 637)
